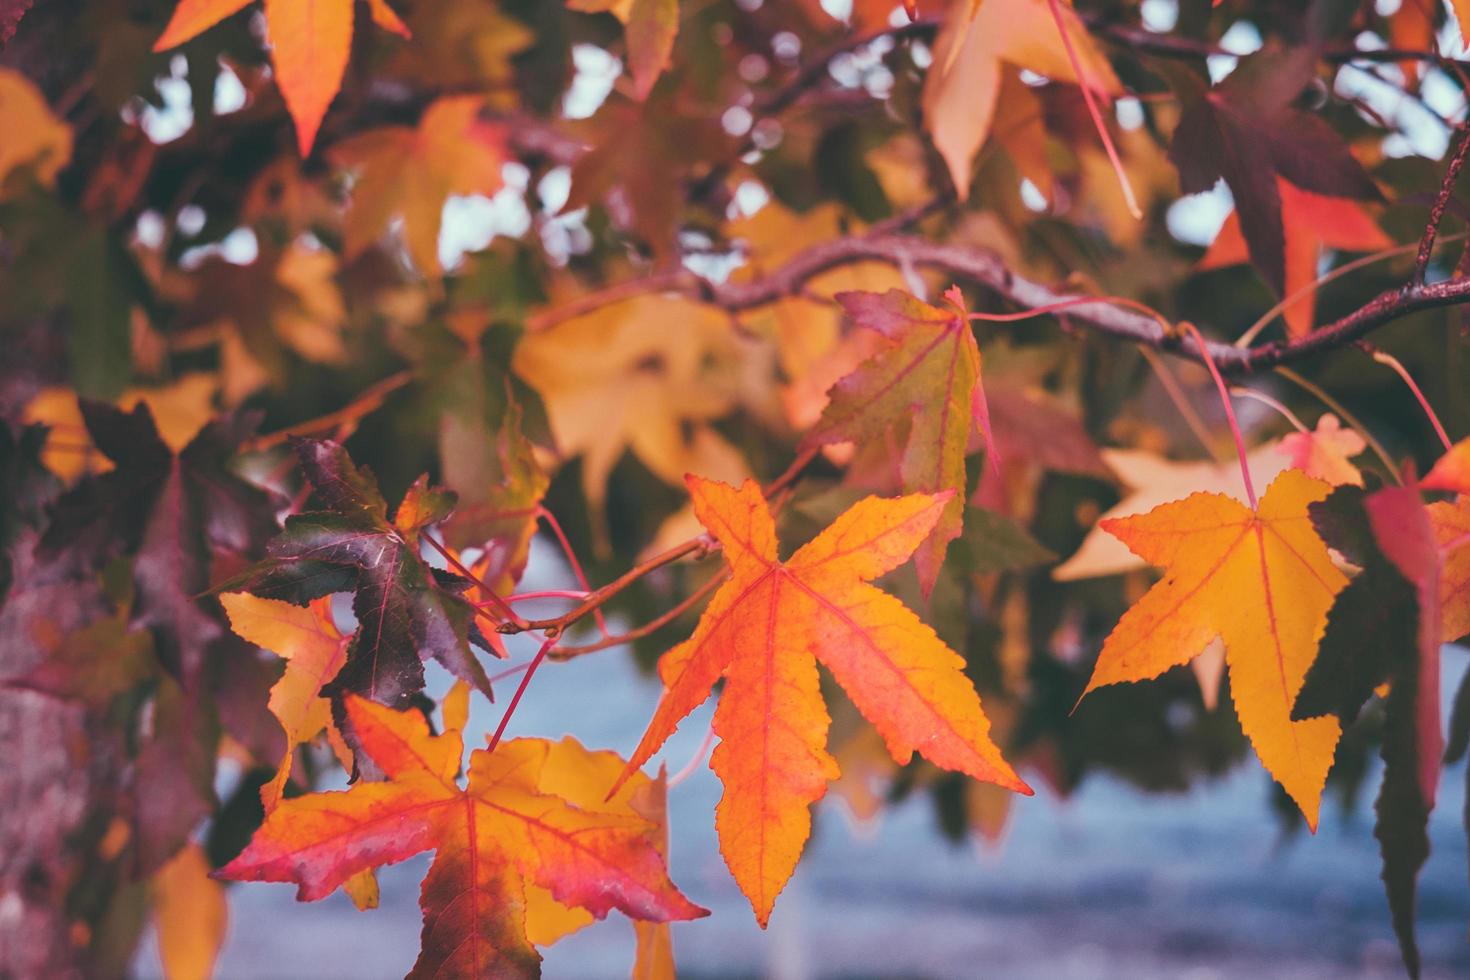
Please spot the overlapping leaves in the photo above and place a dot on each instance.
(494, 839)
(406, 611)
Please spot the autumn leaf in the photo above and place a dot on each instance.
(37, 141)
(927, 379)
(409, 172)
(1263, 583)
(1247, 131)
(961, 91)
(1153, 480)
(1312, 224)
(1451, 471)
(406, 611)
(185, 515)
(190, 912)
(1385, 628)
(1325, 452)
(310, 44)
(645, 375)
(502, 834)
(764, 631)
(649, 27)
(314, 651)
(180, 410)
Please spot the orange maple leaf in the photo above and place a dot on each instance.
(412, 170)
(926, 379)
(1261, 581)
(502, 834)
(764, 631)
(1312, 223)
(310, 43)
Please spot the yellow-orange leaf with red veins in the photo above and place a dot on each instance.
(310, 44)
(1263, 583)
(503, 833)
(764, 631)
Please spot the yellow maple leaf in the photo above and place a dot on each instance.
(1262, 582)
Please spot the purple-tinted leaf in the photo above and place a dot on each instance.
(1246, 131)
(406, 611)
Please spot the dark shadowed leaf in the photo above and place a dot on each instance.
(1246, 131)
(406, 611)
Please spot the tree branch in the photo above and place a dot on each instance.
(1441, 201)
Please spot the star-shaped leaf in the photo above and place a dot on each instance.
(1247, 131)
(506, 831)
(764, 631)
(928, 380)
(1325, 452)
(184, 516)
(406, 611)
(1385, 628)
(1261, 581)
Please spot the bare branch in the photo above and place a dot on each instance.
(1441, 201)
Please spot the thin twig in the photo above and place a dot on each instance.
(1441, 201)
(648, 628)
(369, 401)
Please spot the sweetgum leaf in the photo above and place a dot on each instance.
(522, 820)
(178, 516)
(406, 611)
(1246, 131)
(764, 631)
